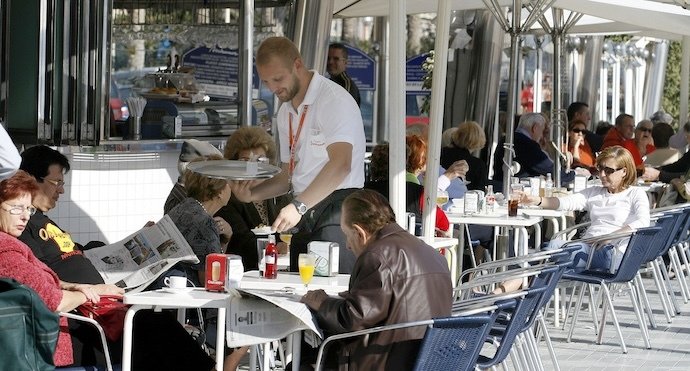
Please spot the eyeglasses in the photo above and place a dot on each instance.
(19, 210)
(578, 131)
(57, 183)
(645, 130)
(262, 159)
(607, 170)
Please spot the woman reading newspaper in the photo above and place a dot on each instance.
(206, 234)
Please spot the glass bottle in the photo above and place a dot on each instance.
(271, 258)
(548, 187)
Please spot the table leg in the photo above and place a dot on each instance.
(537, 238)
(220, 338)
(127, 336)
(296, 349)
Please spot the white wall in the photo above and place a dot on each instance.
(109, 196)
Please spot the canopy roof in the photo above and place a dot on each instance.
(656, 18)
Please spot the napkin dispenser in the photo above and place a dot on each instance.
(327, 258)
(474, 201)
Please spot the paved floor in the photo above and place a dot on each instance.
(670, 341)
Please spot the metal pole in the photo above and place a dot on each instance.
(397, 152)
(438, 88)
(512, 95)
(556, 132)
(684, 81)
(246, 62)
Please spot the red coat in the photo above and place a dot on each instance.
(19, 262)
(615, 138)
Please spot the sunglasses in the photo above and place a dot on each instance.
(578, 131)
(607, 170)
(645, 130)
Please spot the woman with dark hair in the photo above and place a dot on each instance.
(614, 207)
(578, 145)
(251, 143)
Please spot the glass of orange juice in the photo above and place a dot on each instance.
(306, 264)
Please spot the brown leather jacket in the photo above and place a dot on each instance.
(398, 278)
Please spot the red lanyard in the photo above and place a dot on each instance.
(294, 138)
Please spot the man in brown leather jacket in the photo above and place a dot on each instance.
(397, 278)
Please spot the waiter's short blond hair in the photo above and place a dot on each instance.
(278, 47)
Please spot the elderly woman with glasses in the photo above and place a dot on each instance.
(17, 261)
(251, 144)
(614, 207)
(578, 146)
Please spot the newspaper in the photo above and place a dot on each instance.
(259, 316)
(141, 257)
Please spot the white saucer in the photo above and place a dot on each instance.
(264, 231)
(181, 290)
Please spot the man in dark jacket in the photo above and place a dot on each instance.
(397, 278)
(337, 70)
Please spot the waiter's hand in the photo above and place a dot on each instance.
(314, 299)
(242, 189)
(287, 218)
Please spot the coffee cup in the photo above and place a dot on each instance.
(175, 282)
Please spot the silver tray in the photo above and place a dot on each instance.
(233, 170)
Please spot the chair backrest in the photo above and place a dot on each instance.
(525, 307)
(454, 343)
(28, 329)
(669, 224)
(635, 254)
(682, 231)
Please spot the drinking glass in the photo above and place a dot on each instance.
(441, 198)
(516, 191)
(306, 264)
(286, 237)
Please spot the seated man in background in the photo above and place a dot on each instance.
(397, 278)
(622, 135)
(533, 160)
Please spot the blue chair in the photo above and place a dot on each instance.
(514, 321)
(669, 222)
(450, 343)
(633, 257)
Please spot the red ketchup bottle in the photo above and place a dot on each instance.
(271, 258)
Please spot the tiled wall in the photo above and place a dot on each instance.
(109, 196)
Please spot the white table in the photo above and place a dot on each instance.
(157, 300)
(518, 223)
(331, 285)
(448, 244)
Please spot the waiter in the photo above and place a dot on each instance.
(322, 147)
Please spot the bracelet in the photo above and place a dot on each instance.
(540, 201)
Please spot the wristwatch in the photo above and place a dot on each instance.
(300, 206)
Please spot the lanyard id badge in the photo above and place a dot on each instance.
(294, 138)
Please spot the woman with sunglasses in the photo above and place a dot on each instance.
(578, 146)
(614, 207)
